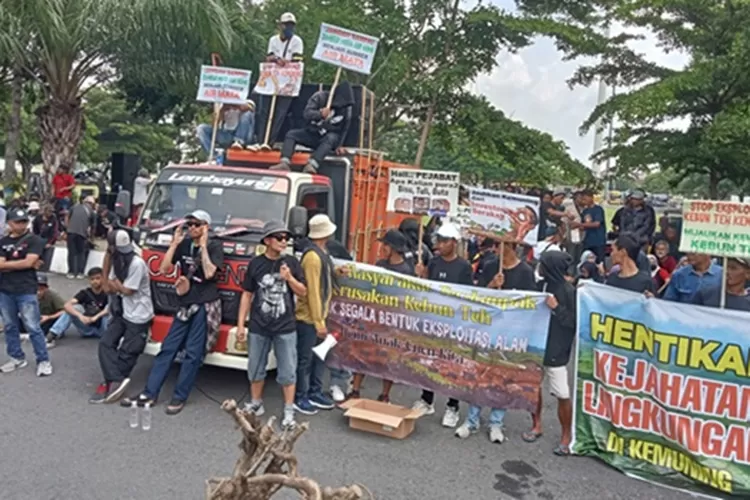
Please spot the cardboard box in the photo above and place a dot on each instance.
(380, 418)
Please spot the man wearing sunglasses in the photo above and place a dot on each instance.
(195, 326)
(271, 282)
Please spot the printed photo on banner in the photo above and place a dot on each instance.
(280, 80)
(223, 85)
(716, 228)
(477, 345)
(345, 48)
(423, 192)
(511, 215)
(663, 391)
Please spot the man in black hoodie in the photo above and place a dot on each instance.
(410, 229)
(326, 128)
(553, 266)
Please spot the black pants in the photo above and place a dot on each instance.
(283, 106)
(77, 253)
(46, 257)
(429, 398)
(118, 363)
(323, 144)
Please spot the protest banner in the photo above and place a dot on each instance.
(514, 216)
(663, 391)
(223, 85)
(280, 80)
(430, 192)
(477, 345)
(345, 48)
(716, 228)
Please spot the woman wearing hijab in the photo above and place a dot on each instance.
(553, 267)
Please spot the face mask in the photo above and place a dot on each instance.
(288, 32)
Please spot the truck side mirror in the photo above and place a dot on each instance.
(122, 204)
(297, 222)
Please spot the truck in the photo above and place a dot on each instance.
(241, 195)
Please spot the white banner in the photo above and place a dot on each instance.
(284, 80)
(345, 48)
(224, 85)
(511, 215)
(430, 192)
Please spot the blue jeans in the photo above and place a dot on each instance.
(87, 331)
(285, 349)
(192, 335)
(497, 416)
(340, 377)
(28, 308)
(224, 138)
(309, 367)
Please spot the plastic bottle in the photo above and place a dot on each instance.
(133, 415)
(146, 417)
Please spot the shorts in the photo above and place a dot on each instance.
(558, 381)
(285, 348)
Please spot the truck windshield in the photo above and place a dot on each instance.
(232, 199)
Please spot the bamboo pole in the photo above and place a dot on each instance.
(269, 121)
(217, 113)
(333, 88)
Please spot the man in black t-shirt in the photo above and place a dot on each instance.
(87, 310)
(625, 255)
(271, 283)
(19, 256)
(447, 267)
(196, 324)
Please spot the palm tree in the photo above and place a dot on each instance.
(76, 45)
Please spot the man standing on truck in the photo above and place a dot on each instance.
(197, 321)
(326, 128)
(271, 283)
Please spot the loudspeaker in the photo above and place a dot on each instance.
(125, 167)
(321, 350)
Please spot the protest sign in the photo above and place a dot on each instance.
(280, 80)
(223, 85)
(345, 48)
(663, 392)
(413, 191)
(477, 345)
(511, 215)
(716, 228)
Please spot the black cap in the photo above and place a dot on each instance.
(41, 279)
(395, 239)
(17, 215)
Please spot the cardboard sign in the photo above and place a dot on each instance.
(425, 192)
(716, 228)
(223, 85)
(511, 215)
(280, 80)
(345, 48)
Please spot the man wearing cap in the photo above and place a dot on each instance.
(638, 218)
(737, 298)
(196, 325)
(51, 305)
(19, 255)
(392, 250)
(80, 224)
(446, 267)
(271, 283)
(125, 277)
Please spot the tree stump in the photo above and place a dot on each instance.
(267, 464)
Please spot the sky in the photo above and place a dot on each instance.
(531, 86)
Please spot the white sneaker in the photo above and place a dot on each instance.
(466, 430)
(70, 276)
(288, 421)
(422, 406)
(257, 408)
(337, 394)
(451, 417)
(13, 364)
(44, 369)
(496, 434)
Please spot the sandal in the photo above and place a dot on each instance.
(562, 450)
(140, 400)
(531, 436)
(174, 407)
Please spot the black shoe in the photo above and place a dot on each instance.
(141, 400)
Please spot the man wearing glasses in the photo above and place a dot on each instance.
(197, 321)
(271, 283)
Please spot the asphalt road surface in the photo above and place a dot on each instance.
(54, 445)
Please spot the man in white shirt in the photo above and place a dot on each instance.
(237, 128)
(140, 192)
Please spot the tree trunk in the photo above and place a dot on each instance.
(713, 185)
(425, 134)
(13, 140)
(60, 129)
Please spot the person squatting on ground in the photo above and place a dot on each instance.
(271, 282)
(125, 277)
(447, 267)
(560, 337)
(88, 310)
(51, 305)
(20, 250)
(195, 327)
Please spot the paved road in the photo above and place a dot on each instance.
(53, 445)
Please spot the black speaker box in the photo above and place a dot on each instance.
(125, 167)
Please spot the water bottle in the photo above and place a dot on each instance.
(146, 417)
(133, 415)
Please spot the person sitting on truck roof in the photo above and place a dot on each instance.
(237, 127)
(326, 130)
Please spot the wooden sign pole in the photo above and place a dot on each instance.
(333, 88)
(269, 121)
